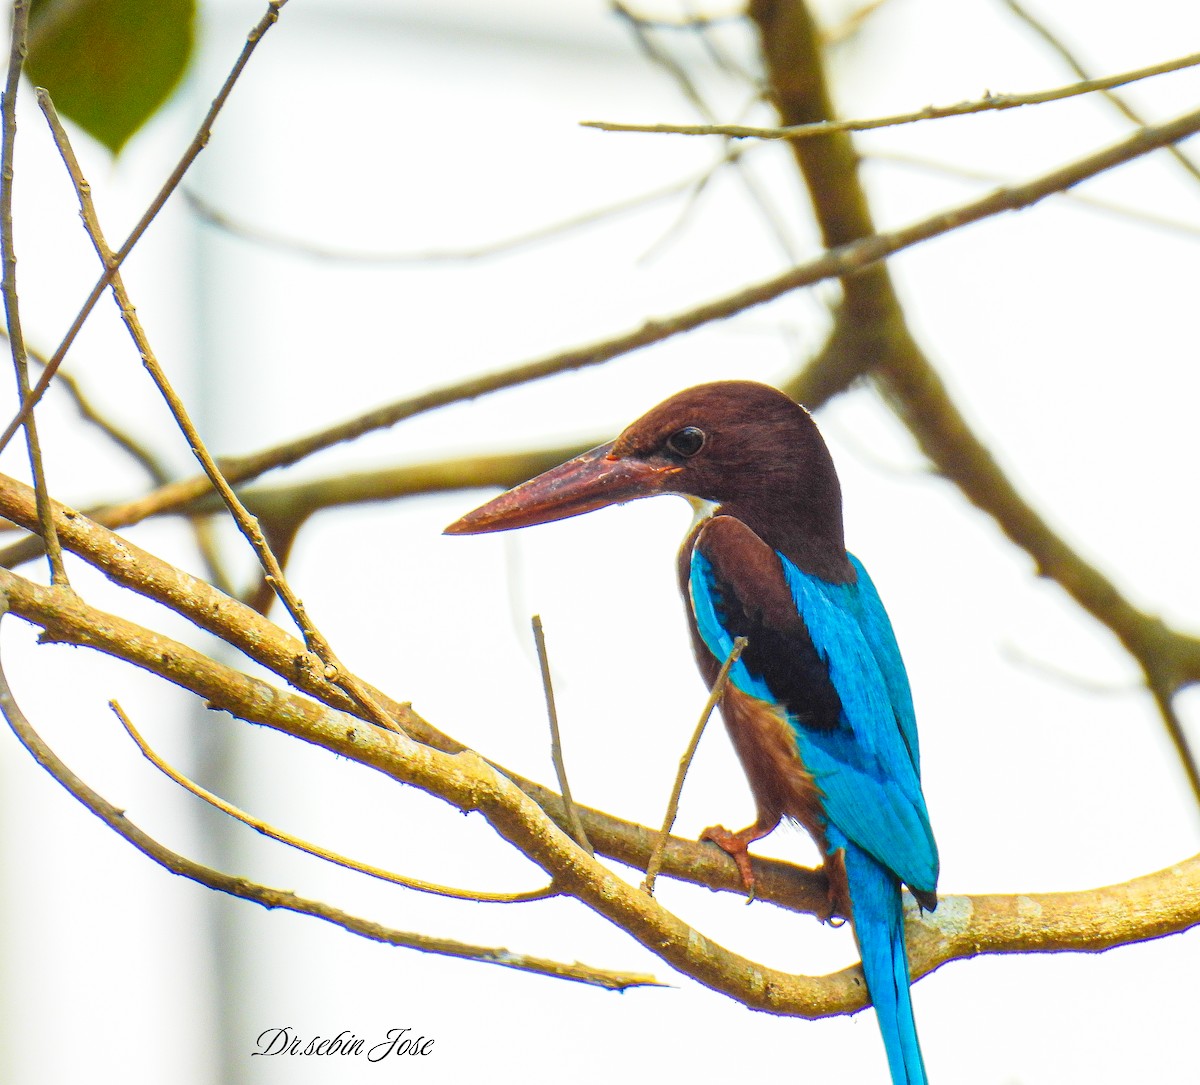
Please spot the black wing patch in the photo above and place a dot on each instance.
(752, 600)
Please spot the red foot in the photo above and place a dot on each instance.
(734, 845)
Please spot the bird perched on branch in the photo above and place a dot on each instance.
(818, 705)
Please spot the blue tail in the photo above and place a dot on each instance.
(878, 919)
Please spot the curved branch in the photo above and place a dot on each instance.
(268, 830)
(296, 246)
(269, 897)
(1148, 907)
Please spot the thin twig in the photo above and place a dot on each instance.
(691, 92)
(332, 253)
(689, 22)
(1164, 700)
(199, 141)
(556, 754)
(270, 897)
(849, 26)
(126, 442)
(721, 58)
(206, 540)
(247, 524)
(685, 762)
(1072, 62)
(8, 252)
(1016, 654)
(268, 830)
(678, 73)
(930, 113)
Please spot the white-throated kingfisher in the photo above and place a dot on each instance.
(818, 705)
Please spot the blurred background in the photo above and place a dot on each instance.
(396, 143)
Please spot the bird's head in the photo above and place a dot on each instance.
(745, 447)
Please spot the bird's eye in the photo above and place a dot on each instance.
(687, 441)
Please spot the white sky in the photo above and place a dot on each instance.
(1066, 335)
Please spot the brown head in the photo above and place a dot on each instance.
(743, 446)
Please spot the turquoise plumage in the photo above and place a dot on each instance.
(867, 768)
(818, 705)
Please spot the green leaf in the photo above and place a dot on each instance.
(109, 64)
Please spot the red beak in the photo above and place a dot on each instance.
(588, 482)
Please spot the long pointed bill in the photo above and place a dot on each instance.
(583, 484)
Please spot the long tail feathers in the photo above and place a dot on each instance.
(878, 919)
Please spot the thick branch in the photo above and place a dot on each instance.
(464, 780)
(870, 312)
(1148, 907)
(1088, 921)
(921, 399)
(870, 336)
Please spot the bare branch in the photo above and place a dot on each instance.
(8, 252)
(990, 103)
(1147, 907)
(1072, 62)
(556, 754)
(502, 247)
(268, 830)
(1175, 226)
(685, 762)
(850, 25)
(1165, 703)
(464, 780)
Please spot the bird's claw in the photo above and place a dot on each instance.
(735, 846)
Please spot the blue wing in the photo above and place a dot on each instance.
(867, 765)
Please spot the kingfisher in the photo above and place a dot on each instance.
(818, 705)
